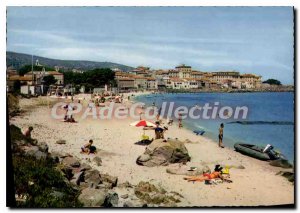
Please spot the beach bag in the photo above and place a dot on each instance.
(92, 149)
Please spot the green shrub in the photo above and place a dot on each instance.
(39, 181)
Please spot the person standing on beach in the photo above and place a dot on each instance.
(179, 121)
(221, 135)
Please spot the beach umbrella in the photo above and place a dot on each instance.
(143, 123)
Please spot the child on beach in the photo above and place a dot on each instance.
(27, 133)
(221, 135)
(88, 148)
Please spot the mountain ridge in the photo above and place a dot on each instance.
(17, 60)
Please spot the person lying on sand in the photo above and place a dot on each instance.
(217, 174)
(88, 148)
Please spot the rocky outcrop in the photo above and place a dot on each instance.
(164, 153)
(152, 194)
(92, 197)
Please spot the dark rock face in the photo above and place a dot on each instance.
(163, 153)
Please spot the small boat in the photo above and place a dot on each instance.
(257, 152)
(199, 132)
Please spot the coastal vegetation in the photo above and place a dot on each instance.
(272, 82)
(91, 79)
(27, 68)
(38, 182)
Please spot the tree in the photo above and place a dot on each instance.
(272, 82)
(27, 68)
(91, 79)
(49, 79)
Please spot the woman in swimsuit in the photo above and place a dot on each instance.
(214, 175)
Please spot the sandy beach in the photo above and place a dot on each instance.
(255, 185)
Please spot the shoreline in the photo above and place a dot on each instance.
(115, 141)
(213, 137)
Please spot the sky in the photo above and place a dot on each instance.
(255, 40)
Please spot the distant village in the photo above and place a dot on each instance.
(181, 78)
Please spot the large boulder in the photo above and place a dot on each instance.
(71, 162)
(34, 152)
(93, 178)
(92, 197)
(163, 153)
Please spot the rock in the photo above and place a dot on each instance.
(43, 147)
(34, 152)
(92, 197)
(281, 163)
(151, 194)
(77, 178)
(104, 185)
(61, 141)
(57, 156)
(128, 204)
(109, 179)
(163, 153)
(126, 184)
(111, 200)
(93, 178)
(240, 167)
(85, 167)
(97, 160)
(125, 196)
(184, 170)
(71, 161)
(68, 171)
(289, 175)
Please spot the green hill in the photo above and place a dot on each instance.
(17, 60)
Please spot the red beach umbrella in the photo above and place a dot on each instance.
(143, 123)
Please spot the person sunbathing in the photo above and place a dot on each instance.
(216, 174)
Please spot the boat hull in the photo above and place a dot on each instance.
(253, 151)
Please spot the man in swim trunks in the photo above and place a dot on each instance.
(221, 135)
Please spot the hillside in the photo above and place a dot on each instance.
(18, 60)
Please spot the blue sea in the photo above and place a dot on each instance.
(266, 107)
